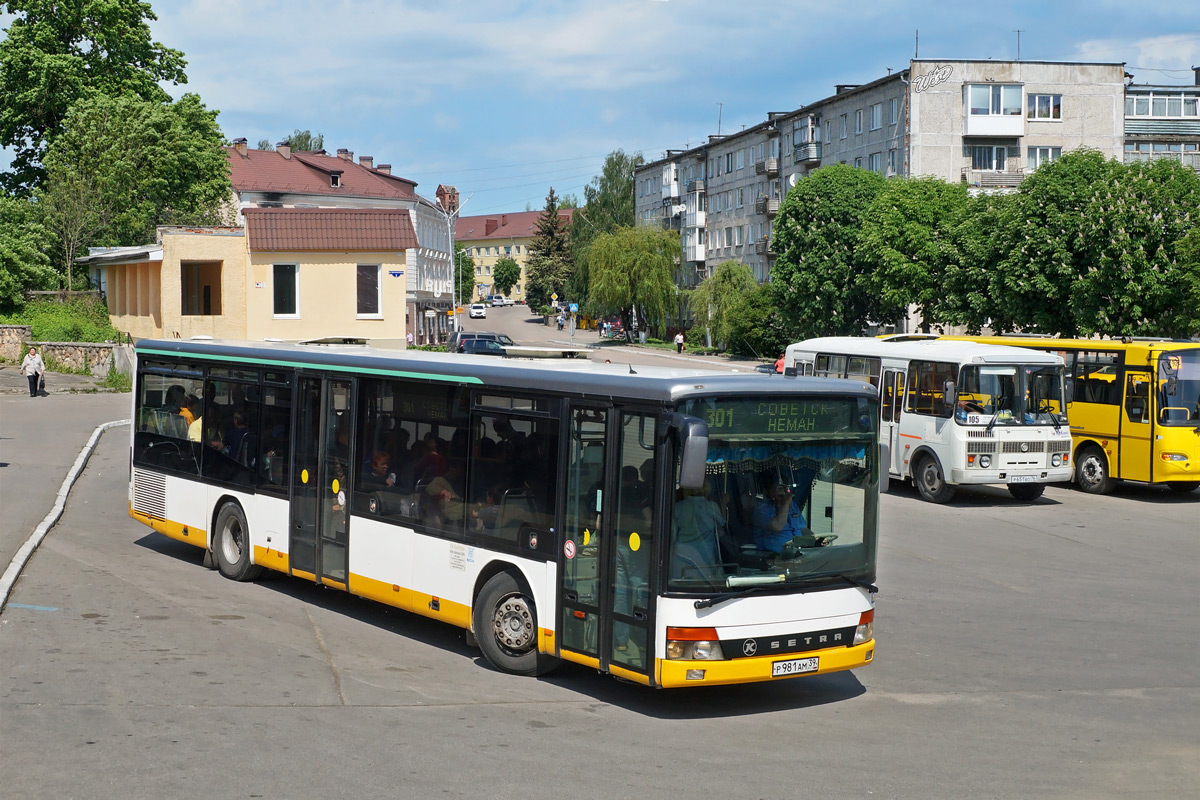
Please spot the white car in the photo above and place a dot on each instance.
(477, 311)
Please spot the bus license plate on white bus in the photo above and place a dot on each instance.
(1022, 478)
(796, 666)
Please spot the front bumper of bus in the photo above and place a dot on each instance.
(675, 674)
(978, 475)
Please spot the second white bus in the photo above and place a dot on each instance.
(956, 413)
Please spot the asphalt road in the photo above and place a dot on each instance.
(1044, 650)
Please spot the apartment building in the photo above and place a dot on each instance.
(1163, 122)
(984, 123)
(490, 237)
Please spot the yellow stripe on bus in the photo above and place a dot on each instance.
(175, 530)
(673, 674)
(271, 559)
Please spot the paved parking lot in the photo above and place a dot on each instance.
(1044, 650)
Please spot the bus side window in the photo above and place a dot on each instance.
(1137, 398)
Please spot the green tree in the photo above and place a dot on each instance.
(149, 163)
(464, 275)
(713, 301)
(607, 205)
(549, 266)
(633, 275)
(821, 289)
(58, 52)
(906, 244)
(979, 239)
(24, 265)
(75, 212)
(755, 327)
(505, 274)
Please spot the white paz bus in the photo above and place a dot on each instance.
(956, 413)
(674, 527)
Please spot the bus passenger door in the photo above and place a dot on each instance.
(586, 492)
(321, 478)
(631, 555)
(1137, 428)
(891, 402)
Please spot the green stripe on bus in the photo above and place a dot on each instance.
(304, 365)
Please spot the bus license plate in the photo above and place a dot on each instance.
(796, 666)
(1022, 479)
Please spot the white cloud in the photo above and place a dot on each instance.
(1173, 54)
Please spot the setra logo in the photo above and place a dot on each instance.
(749, 647)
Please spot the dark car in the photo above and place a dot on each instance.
(482, 347)
(458, 338)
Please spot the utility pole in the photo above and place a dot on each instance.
(720, 108)
(450, 217)
(1018, 32)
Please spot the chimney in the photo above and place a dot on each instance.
(1197, 71)
(489, 225)
(343, 153)
(367, 161)
(386, 169)
(504, 219)
(240, 146)
(284, 148)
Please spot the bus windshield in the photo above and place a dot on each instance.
(1179, 388)
(1011, 394)
(790, 496)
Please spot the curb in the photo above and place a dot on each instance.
(39, 533)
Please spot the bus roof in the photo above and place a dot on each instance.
(579, 377)
(933, 349)
(1054, 343)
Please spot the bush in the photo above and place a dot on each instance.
(79, 319)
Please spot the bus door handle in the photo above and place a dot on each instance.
(640, 616)
(571, 597)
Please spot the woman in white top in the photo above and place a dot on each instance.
(32, 368)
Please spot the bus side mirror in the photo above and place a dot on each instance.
(1172, 386)
(693, 459)
(885, 466)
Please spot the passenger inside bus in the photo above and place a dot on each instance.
(700, 534)
(777, 517)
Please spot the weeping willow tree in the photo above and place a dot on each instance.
(714, 300)
(632, 274)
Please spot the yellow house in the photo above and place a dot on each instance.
(289, 273)
(491, 237)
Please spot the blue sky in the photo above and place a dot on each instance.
(506, 98)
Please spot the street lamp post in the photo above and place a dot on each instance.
(450, 217)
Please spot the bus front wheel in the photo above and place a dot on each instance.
(231, 545)
(931, 481)
(1091, 472)
(506, 627)
(1026, 492)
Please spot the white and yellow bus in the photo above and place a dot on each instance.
(956, 413)
(1134, 408)
(628, 520)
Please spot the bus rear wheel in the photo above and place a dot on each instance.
(1026, 492)
(931, 481)
(231, 545)
(506, 627)
(1091, 472)
(1183, 486)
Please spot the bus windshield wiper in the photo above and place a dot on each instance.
(709, 602)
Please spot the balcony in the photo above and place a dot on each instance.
(1191, 159)
(1004, 126)
(695, 186)
(768, 167)
(807, 153)
(671, 223)
(766, 205)
(991, 179)
(695, 219)
(762, 247)
(694, 252)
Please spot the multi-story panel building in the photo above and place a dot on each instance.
(1163, 122)
(984, 123)
(490, 237)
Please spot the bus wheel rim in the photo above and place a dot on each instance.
(1093, 470)
(231, 541)
(512, 624)
(929, 474)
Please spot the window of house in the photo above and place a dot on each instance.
(875, 162)
(843, 126)
(1043, 106)
(729, 162)
(741, 197)
(335, 179)
(990, 99)
(1042, 155)
(741, 159)
(737, 235)
(858, 163)
(729, 237)
(369, 300)
(892, 162)
(858, 121)
(1190, 106)
(893, 111)
(200, 288)
(876, 119)
(988, 157)
(286, 288)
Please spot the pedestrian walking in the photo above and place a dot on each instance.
(408, 337)
(679, 342)
(32, 367)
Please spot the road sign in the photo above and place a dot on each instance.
(574, 308)
(554, 297)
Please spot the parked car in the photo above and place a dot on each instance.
(499, 300)
(455, 343)
(483, 347)
(477, 311)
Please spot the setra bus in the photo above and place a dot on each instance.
(672, 527)
(1134, 408)
(956, 413)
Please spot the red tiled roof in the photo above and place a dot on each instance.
(309, 173)
(518, 225)
(329, 229)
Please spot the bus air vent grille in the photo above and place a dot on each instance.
(981, 447)
(1059, 447)
(1024, 447)
(973, 434)
(150, 493)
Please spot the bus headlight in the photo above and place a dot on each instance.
(1056, 460)
(865, 631)
(1174, 457)
(694, 644)
(985, 461)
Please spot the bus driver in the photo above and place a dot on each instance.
(777, 518)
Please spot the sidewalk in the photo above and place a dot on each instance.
(13, 382)
(616, 345)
